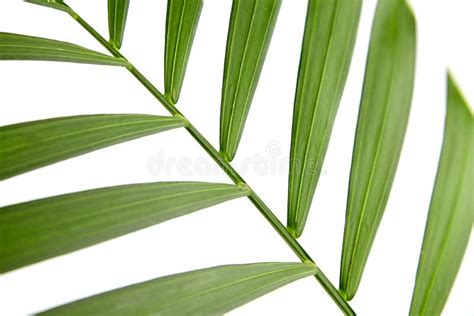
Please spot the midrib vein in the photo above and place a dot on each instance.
(315, 109)
(75, 133)
(298, 111)
(375, 161)
(336, 97)
(188, 298)
(79, 148)
(97, 214)
(229, 57)
(115, 17)
(233, 104)
(260, 52)
(189, 42)
(73, 49)
(444, 246)
(175, 50)
(98, 228)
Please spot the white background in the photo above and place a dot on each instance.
(233, 232)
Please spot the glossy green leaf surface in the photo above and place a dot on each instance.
(37, 230)
(328, 43)
(451, 212)
(381, 127)
(212, 291)
(30, 145)
(55, 4)
(182, 19)
(117, 11)
(23, 47)
(250, 31)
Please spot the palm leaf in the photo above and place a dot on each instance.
(42, 229)
(450, 217)
(250, 30)
(383, 117)
(328, 43)
(55, 4)
(23, 47)
(182, 19)
(31, 145)
(212, 291)
(117, 11)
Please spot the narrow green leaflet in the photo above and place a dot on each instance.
(23, 47)
(250, 31)
(182, 19)
(34, 231)
(212, 291)
(328, 43)
(451, 212)
(55, 4)
(117, 10)
(31, 145)
(382, 122)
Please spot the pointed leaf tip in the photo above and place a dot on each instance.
(328, 43)
(250, 31)
(383, 117)
(451, 213)
(117, 13)
(182, 18)
(191, 293)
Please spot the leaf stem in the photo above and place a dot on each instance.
(226, 167)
